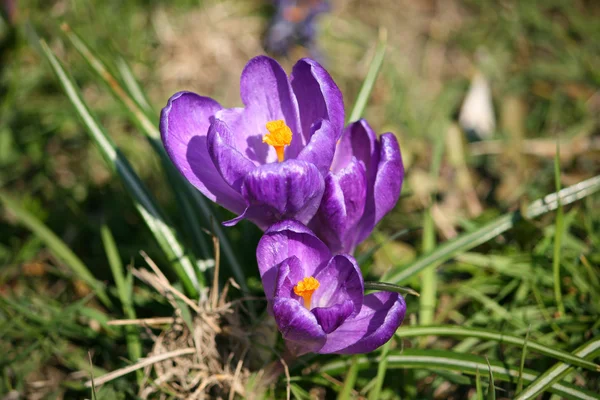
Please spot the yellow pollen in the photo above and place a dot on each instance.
(305, 289)
(279, 136)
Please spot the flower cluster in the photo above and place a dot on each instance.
(286, 162)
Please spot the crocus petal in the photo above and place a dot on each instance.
(342, 207)
(287, 190)
(284, 240)
(330, 318)
(380, 316)
(230, 163)
(264, 85)
(298, 325)
(387, 186)
(289, 273)
(340, 280)
(321, 147)
(360, 141)
(318, 97)
(184, 124)
(266, 92)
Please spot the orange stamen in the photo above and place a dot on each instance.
(279, 136)
(305, 289)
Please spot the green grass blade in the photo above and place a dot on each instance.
(100, 69)
(381, 369)
(459, 362)
(427, 302)
(369, 82)
(478, 387)
(548, 379)
(116, 266)
(149, 128)
(144, 202)
(140, 117)
(93, 386)
(522, 364)
(458, 331)
(133, 86)
(558, 235)
(134, 346)
(389, 287)
(500, 225)
(57, 246)
(491, 393)
(350, 379)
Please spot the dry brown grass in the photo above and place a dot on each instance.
(206, 350)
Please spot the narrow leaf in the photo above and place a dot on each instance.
(522, 364)
(458, 331)
(478, 385)
(470, 240)
(350, 379)
(369, 82)
(381, 369)
(133, 86)
(134, 346)
(558, 235)
(144, 202)
(548, 379)
(389, 287)
(182, 189)
(491, 393)
(460, 362)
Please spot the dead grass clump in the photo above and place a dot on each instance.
(205, 352)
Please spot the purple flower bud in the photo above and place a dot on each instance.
(363, 185)
(267, 161)
(294, 24)
(317, 299)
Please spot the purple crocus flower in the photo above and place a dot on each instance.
(267, 161)
(318, 299)
(363, 185)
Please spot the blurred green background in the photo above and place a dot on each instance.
(541, 60)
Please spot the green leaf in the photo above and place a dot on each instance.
(133, 86)
(350, 379)
(57, 246)
(491, 393)
(144, 202)
(381, 369)
(478, 385)
(558, 236)
(189, 199)
(389, 287)
(548, 379)
(451, 361)
(134, 346)
(298, 392)
(148, 126)
(458, 331)
(369, 82)
(470, 240)
(522, 364)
